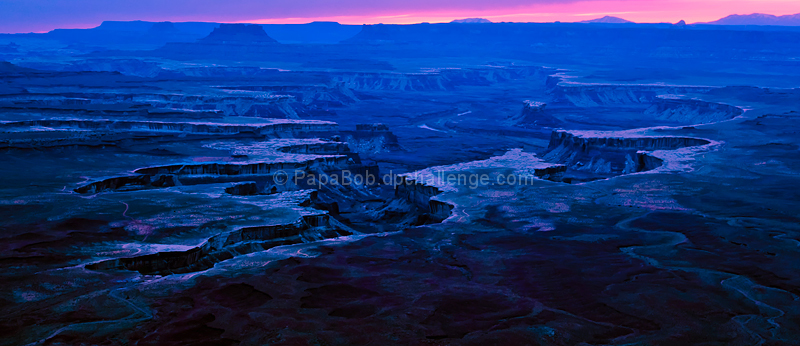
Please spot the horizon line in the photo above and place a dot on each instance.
(440, 20)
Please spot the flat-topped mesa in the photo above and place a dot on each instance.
(227, 245)
(239, 34)
(161, 126)
(608, 155)
(585, 143)
(247, 179)
(692, 111)
(162, 28)
(126, 183)
(615, 95)
(68, 132)
(256, 168)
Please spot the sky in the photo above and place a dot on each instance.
(44, 15)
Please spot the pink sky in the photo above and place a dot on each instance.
(656, 11)
(45, 15)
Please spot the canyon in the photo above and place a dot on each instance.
(464, 183)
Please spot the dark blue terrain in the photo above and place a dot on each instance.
(459, 183)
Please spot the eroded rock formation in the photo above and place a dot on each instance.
(227, 245)
(611, 154)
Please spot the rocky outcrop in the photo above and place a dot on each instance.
(586, 142)
(256, 168)
(261, 105)
(647, 162)
(248, 178)
(371, 138)
(691, 111)
(323, 148)
(250, 104)
(134, 182)
(227, 245)
(615, 95)
(552, 172)
(593, 96)
(439, 210)
(91, 132)
(533, 114)
(246, 188)
(533, 107)
(422, 195)
(160, 126)
(440, 79)
(607, 155)
(658, 103)
(334, 95)
(372, 127)
(395, 81)
(131, 67)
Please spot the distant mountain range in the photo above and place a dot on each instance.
(472, 20)
(608, 20)
(734, 19)
(758, 19)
